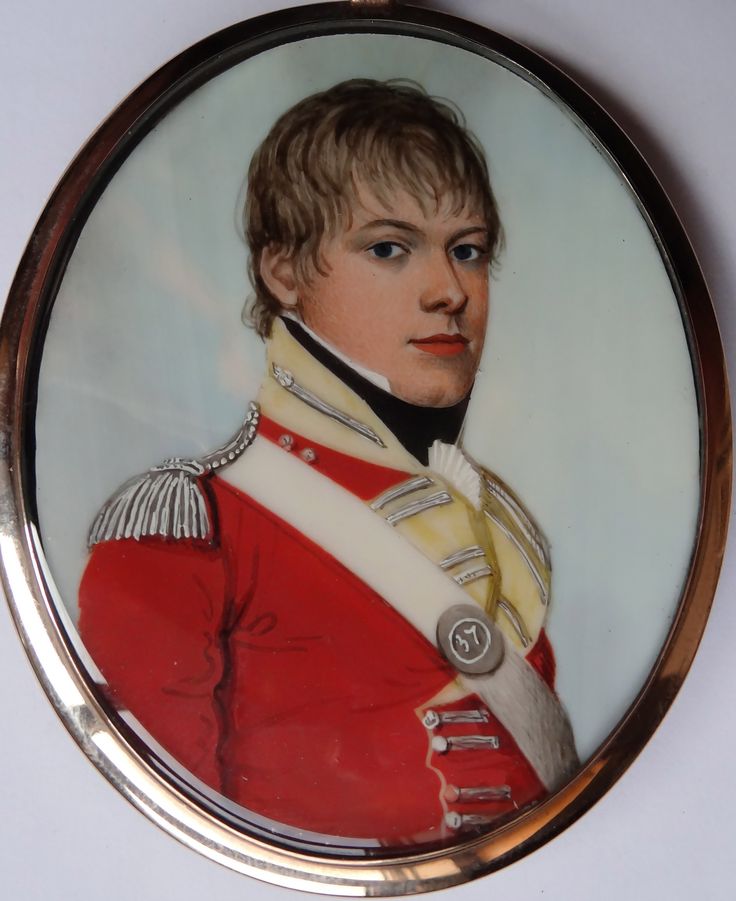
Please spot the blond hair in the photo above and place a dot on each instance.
(389, 136)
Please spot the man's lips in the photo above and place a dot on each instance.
(441, 345)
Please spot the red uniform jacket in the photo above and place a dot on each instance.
(278, 678)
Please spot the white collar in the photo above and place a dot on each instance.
(380, 381)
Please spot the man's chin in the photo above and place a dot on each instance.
(430, 392)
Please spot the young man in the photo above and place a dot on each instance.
(336, 620)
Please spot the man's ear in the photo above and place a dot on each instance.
(278, 271)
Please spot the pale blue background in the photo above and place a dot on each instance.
(585, 400)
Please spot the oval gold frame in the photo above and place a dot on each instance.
(30, 590)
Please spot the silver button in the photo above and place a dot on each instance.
(453, 819)
(286, 441)
(309, 455)
(283, 377)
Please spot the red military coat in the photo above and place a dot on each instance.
(276, 676)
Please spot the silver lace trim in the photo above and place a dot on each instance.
(415, 507)
(513, 617)
(286, 380)
(529, 530)
(399, 491)
(462, 556)
(455, 794)
(543, 590)
(433, 719)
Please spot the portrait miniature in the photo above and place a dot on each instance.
(337, 619)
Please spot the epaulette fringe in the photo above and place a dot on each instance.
(168, 501)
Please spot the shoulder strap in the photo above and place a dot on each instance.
(351, 532)
(169, 501)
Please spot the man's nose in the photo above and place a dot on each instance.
(443, 290)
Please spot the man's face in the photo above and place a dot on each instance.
(405, 294)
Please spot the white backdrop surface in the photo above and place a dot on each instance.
(657, 834)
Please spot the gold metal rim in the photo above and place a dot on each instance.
(30, 594)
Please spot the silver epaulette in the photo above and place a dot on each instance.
(168, 501)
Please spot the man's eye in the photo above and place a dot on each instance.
(466, 253)
(386, 250)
